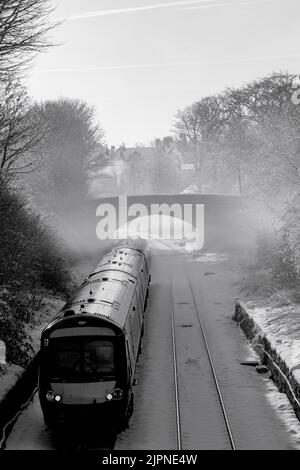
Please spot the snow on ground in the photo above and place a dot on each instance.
(211, 257)
(51, 304)
(283, 409)
(221, 281)
(281, 326)
(261, 417)
(9, 375)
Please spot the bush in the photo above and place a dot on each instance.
(30, 261)
(30, 256)
(274, 263)
(12, 330)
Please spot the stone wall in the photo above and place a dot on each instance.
(279, 371)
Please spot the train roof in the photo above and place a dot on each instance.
(139, 244)
(108, 297)
(107, 293)
(126, 257)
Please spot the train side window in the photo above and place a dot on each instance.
(128, 358)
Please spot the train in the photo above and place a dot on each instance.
(89, 352)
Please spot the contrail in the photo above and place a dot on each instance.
(96, 13)
(228, 4)
(169, 64)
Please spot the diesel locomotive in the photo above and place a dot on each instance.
(90, 350)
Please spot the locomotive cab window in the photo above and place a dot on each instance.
(82, 359)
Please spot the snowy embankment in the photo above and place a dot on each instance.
(275, 335)
(9, 376)
(16, 382)
(11, 373)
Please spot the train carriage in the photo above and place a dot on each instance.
(90, 350)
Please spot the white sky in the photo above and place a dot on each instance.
(139, 61)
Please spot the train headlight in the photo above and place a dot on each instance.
(116, 394)
(50, 396)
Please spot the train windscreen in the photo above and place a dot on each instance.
(81, 359)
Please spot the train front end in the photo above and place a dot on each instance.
(82, 371)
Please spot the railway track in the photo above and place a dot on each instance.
(176, 387)
(203, 337)
(65, 438)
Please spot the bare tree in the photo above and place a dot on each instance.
(262, 116)
(23, 32)
(71, 139)
(196, 127)
(18, 134)
(24, 26)
(265, 100)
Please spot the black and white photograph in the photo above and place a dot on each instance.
(149, 229)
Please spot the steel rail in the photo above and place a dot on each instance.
(220, 396)
(178, 418)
